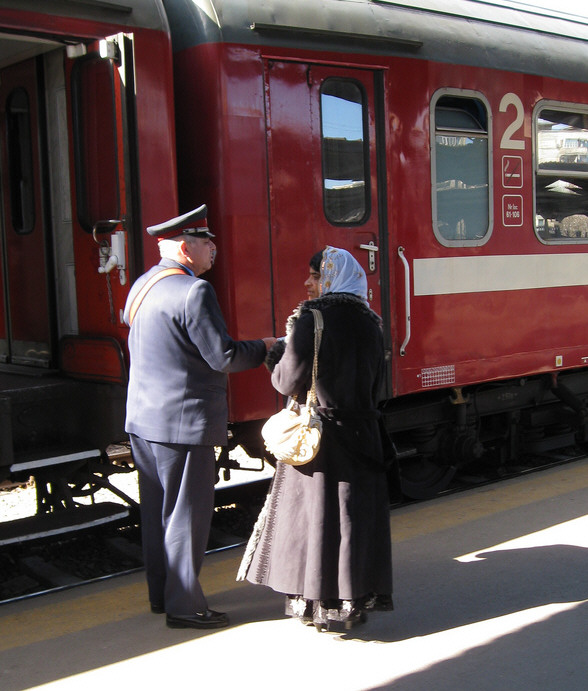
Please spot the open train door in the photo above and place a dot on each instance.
(25, 334)
(323, 174)
(100, 109)
(102, 106)
(105, 201)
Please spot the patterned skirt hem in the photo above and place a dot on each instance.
(342, 612)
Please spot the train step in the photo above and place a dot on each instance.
(61, 522)
(33, 462)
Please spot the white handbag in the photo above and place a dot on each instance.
(293, 435)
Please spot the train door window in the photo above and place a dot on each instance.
(20, 161)
(344, 144)
(461, 168)
(95, 135)
(561, 173)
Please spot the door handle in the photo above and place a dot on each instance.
(105, 226)
(371, 248)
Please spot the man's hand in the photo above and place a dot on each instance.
(269, 341)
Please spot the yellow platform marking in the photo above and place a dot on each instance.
(84, 611)
(456, 509)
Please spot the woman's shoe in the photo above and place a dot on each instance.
(383, 603)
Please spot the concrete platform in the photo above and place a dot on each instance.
(491, 592)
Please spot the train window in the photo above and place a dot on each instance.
(95, 148)
(561, 173)
(20, 161)
(344, 151)
(462, 213)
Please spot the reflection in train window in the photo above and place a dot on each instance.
(344, 151)
(20, 161)
(561, 173)
(460, 168)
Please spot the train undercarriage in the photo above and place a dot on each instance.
(490, 429)
(486, 431)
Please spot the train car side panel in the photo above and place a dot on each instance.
(496, 306)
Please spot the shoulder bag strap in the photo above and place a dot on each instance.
(318, 333)
(147, 287)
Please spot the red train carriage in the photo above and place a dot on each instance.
(446, 147)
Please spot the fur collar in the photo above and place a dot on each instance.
(277, 350)
(326, 301)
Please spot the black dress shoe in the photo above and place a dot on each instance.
(157, 609)
(200, 620)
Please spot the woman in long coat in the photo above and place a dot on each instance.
(325, 542)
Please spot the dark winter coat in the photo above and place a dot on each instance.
(327, 532)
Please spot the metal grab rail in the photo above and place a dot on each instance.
(406, 299)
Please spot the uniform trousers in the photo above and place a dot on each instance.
(176, 485)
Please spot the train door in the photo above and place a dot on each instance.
(102, 95)
(323, 174)
(25, 337)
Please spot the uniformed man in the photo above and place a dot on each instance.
(180, 355)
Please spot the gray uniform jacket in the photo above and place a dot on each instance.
(180, 355)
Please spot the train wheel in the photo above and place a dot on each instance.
(422, 479)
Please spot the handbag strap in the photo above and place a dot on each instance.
(318, 334)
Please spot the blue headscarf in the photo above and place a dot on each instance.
(342, 273)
